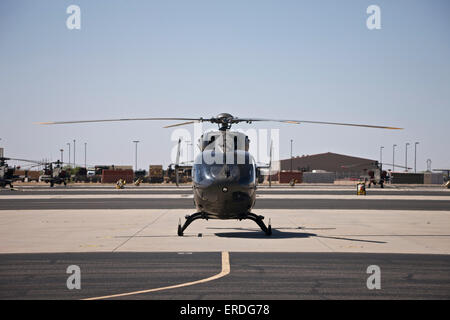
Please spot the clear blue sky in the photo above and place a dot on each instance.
(311, 60)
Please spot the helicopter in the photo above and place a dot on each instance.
(54, 174)
(376, 175)
(7, 173)
(7, 176)
(224, 178)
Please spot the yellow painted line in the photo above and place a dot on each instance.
(225, 271)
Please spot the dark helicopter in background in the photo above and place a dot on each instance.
(375, 175)
(224, 173)
(54, 173)
(7, 176)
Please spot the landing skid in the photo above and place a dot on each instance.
(202, 215)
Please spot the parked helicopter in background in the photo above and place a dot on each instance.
(7, 176)
(224, 173)
(7, 173)
(54, 173)
(375, 175)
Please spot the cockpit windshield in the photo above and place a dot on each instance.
(241, 173)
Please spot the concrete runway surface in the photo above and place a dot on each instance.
(125, 243)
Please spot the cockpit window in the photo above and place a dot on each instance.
(240, 170)
(241, 173)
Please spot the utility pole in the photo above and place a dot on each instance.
(393, 157)
(69, 153)
(291, 155)
(381, 156)
(74, 165)
(135, 157)
(85, 147)
(415, 156)
(406, 156)
(62, 158)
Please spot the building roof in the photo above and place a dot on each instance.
(332, 162)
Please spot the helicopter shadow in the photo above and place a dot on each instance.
(246, 233)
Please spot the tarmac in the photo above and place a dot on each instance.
(125, 241)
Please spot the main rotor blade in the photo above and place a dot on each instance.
(180, 124)
(397, 165)
(25, 160)
(219, 120)
(236, 120)
(113, 120)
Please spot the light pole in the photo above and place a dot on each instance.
(69, 153)
(85, 147)
(135, 157)
(393, 157)
(406, 156)
(381, 156)
(291, 155)
(415, 156)
(74, 165)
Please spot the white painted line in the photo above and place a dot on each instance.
(351, 197)
(259, 196)
(98, 196)
(112, 189)
(225, 271)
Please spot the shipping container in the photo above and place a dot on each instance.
(407, 178)
(433, 178)
(288, 176)
(112, 176)
(156, 173)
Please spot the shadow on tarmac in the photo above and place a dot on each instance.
(278, 234)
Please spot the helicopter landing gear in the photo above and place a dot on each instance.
(189, 219)
(202, 215)
(259, 220)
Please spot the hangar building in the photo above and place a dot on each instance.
(344, 166)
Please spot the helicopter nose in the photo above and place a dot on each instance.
(230, 192)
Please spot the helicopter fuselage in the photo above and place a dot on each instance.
(224, 190)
